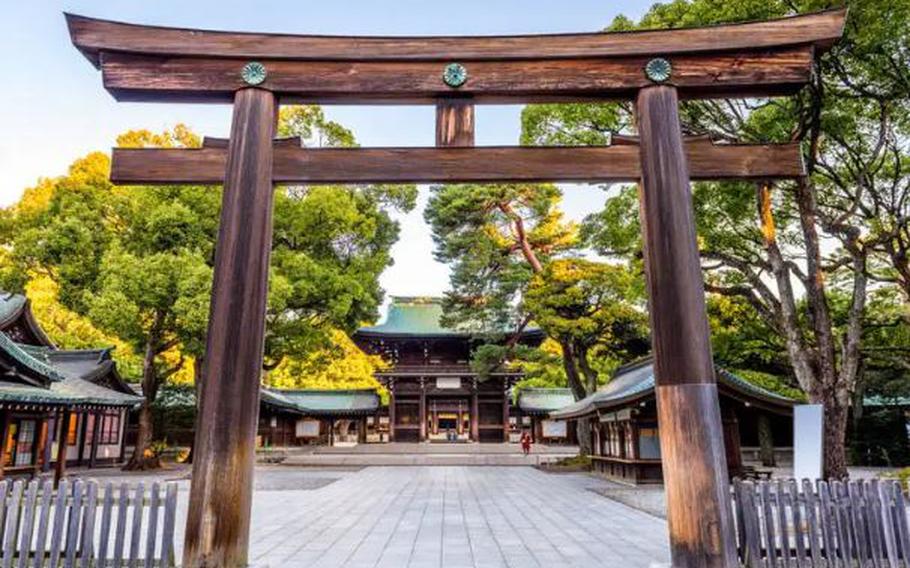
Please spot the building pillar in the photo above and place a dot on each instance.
(41, 444)
(4, 431)
(422, 410)
(51, 430)
(96, 427)
(82, 430)
(218, 521)
(475, 414)
(362, 431)
(63, 434)
(691, 434)
(392, 410)
(505, 410)
(731, 443)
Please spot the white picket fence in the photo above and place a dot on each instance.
(83, 525)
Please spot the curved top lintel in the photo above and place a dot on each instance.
(93, 36)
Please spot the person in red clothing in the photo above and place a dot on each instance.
(526, 443)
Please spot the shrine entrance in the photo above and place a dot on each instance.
(655, 69)
(448, 420)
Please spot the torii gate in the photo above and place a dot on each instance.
(256, 72)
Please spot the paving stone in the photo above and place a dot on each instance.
(445, 517)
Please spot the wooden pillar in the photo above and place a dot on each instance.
(50, 430)
(331, 432)
(505, 410)
(96, 430)
(734, 454)
(691, 435)
(392, 410)
(4, 432)
(362, 431)
(422, 410)
(454, 122)
(218, 522)
(475, 414)
(40, 447)
(82, 433)
(63, 436)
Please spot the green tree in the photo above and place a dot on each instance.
(137, 261)
(769, 245)
(515, 260)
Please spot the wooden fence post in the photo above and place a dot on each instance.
(218, 522)
(691, 433)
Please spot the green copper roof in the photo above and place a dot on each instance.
(420, 317)
(10, 305)
(413, 316)
(323, 401)
(21, 354)
(63, 372)
(540, 400)
(636, 380)
(68, 391)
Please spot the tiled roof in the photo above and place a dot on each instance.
(636, 380)
(69, 391)
(419, 316)
(413, 316)
(323, 401)
(21, 354)
(10, 306)
(66, 373)
(540, 400)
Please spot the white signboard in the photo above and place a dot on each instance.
(553, 428)
(307, 428)
(808, 421)
(448, 382)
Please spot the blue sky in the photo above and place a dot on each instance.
(54, 109)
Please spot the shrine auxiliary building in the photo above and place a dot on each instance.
(433, 392)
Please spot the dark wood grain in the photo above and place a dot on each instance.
(63, 438)
(691, 431)
(292, 164)
(93, 36)
(699, 516)
(218, 522)
(454, 123)
(679, 324)
(745, 73)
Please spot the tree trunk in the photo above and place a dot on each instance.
(142, 455)
(583, 431)
(765, 441)
(834, 434)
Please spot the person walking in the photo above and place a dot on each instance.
(526, 442)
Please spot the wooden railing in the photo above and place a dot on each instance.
(783, 524)
(82, 524)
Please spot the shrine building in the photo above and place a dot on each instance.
(56, 402)
(434, 395)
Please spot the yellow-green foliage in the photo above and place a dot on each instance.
(69, 330)
(341, 366)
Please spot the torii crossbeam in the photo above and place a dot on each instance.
(655, 68)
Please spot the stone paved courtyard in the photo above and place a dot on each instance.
(452, 517)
